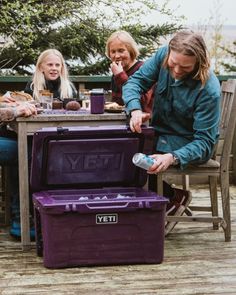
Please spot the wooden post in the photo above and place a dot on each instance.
(234, 159)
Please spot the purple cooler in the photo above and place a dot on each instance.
(90, 207)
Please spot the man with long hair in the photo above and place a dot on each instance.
(186, 109)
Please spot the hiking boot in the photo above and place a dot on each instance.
(177, 206)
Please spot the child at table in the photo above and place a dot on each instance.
(51, 74)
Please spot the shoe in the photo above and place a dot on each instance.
(15, 231)
(182, 197)
(176, 207)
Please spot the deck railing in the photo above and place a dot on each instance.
(88, 82)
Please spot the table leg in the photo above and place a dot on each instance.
(23, 185)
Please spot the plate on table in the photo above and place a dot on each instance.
(113, 107)
(113, 111)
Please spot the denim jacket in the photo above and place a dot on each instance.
(185, 114)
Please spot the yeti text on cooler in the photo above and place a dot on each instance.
(77, 162)
(106, 218)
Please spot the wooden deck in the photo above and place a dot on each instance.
(197, 261)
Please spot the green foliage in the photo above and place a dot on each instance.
(78, 29)
(230, 67)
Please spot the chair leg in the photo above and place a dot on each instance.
(188, 212)
(185, 182)
(225, 196)
(214, 200)
(186, 186)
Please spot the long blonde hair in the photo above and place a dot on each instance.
(125, 38)
(39, 82)
(191, 44)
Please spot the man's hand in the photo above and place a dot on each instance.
(162, 162)
(136, 120)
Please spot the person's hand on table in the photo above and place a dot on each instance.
(136, 120)
(25, 110)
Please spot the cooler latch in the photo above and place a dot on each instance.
(70, 207)
(61, 130)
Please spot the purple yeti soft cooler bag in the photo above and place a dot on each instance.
(90, 207)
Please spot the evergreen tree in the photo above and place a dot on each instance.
(78, 29)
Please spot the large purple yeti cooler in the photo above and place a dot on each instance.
(90, 207)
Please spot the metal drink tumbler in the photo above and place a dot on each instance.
(143, 161)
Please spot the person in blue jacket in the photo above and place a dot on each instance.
(186, 109)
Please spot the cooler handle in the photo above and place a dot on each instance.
(130, 205)
(125, 205)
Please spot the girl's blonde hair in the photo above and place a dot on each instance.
(191, 44)
(128, 41)
(39, 82)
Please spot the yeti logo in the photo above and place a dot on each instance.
(74, 162)
(106, 218)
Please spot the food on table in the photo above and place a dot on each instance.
(73, 106)
(113, 106)
(57, 105)
(21, 96)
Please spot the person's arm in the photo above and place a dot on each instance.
(7, 114)
(140, 82)
(25, 109)
(205, 133)
(10, 113)
(120, 76)
(205, 127)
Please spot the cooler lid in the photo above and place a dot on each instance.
(88, 157)
(97, 200)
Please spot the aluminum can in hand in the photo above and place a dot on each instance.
(143, 161)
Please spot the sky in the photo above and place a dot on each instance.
(199, 11)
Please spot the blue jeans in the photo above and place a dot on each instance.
(8, 152)
(9, 157)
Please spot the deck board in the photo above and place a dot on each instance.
(196, 261)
